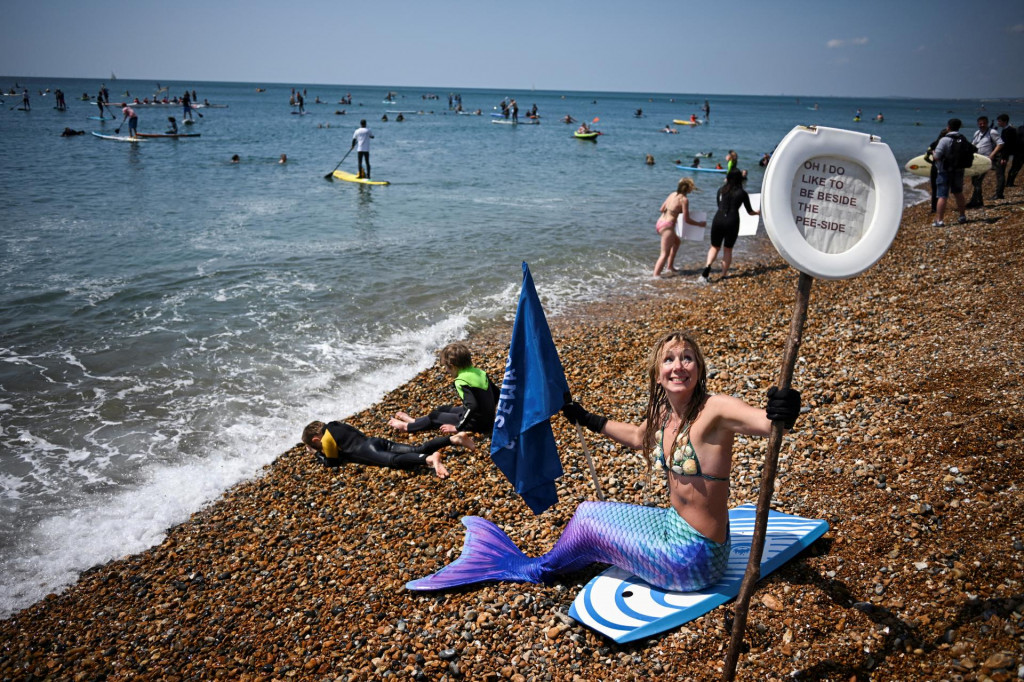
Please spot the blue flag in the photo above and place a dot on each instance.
(532, 390)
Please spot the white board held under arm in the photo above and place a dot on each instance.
(690, 232)
(749, 223)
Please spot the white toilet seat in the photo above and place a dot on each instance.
(871, 202)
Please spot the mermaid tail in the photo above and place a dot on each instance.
(654, 544)
(487, 554)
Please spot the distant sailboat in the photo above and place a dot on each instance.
(112, 76)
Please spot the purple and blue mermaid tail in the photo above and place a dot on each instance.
(654, 544)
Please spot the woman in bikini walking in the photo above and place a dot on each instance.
(675, 205)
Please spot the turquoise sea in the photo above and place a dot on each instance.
(171, 320)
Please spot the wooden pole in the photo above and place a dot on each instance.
(771, 460)
(590, 461)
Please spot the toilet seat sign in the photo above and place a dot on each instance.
(833, 200)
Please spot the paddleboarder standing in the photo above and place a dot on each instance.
(186, 107)
(361, 143)
(133, 121)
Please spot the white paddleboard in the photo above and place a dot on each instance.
(118, 138)
(690, 232)
(625, 608)
(918, 166)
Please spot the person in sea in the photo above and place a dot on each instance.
(336, 443)
(133, 121)
(172, 126)
(688, 434)
(361, 143)
(479, 396)
(725, 226)
(675, 205)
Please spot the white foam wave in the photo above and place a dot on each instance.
(131, 520)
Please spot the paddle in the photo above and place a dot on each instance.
(330, 176)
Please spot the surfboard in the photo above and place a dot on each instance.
(351, 177)
(170, 135)
(701, 170)
(118, 138)
(516, 123)
(100, 118)
(624, 608)
(918, 166)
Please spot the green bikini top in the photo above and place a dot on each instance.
(684, 457)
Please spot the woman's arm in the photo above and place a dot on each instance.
(746, 205)
(731, 415)
(630, 435)
(686, 213)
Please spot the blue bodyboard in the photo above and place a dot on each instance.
(624, 607)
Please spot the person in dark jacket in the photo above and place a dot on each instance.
(478, 393)
(336, 443)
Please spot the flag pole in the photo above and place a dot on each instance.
(590, 461)
(771, 460)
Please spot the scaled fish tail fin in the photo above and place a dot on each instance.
(487, 554)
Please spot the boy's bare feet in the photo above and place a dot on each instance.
(400, 422)
(439, 468)
(464, 440)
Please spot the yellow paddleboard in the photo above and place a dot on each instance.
(679, 121)
(350, 177)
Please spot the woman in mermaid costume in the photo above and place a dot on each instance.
(683, 547)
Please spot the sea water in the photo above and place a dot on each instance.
(170, 320)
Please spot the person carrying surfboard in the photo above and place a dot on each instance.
(361, 143)
(688, 434)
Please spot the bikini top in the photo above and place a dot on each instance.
(684, 457)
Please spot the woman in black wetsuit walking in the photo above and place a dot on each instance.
(725, 228)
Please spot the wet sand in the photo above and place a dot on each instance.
(912, 450)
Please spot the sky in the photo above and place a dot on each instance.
(858, 48)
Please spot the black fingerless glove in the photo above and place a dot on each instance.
(783, 405)
(575, 413)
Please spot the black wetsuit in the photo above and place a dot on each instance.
(726, 225)
(479, 402)
(355, 446)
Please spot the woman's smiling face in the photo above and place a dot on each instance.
(679, 370)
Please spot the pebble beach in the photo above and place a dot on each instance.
(911, 449)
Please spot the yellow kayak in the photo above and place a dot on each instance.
(679, 121)
(351, 177)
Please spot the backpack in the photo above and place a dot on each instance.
(960, 154)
